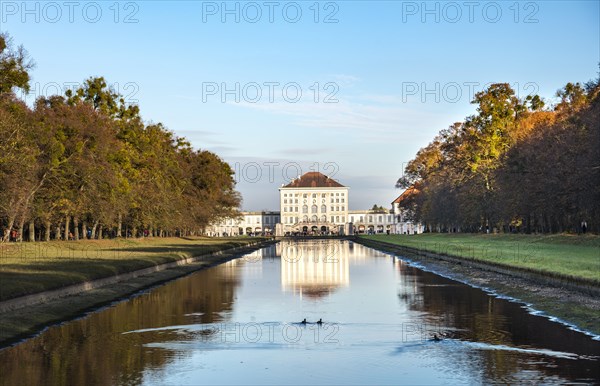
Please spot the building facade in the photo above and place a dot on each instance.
(250, 224)
(371, 222)
(402, 217)
(313, 203)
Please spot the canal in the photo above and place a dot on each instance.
(240, 323)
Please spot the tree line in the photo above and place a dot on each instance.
(85, 164)
(513, 166)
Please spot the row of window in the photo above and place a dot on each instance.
(314, 209)
(295, 201)
(314, 195)
(314, 218)
(380, 218)
(268, 220)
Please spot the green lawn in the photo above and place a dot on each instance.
(27, 268)
(565, 255)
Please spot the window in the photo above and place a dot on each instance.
(285, 200)
(362, 219)
(314, 218)
(343, 219)
(332, 208)
(314, 195)
(304, 208)
(313, 209)
(323, 208)
(342, 200)
(332, 219)
(296, 201)
(285, 195)
(337, 218)
(285, 208)
(323, 195)
(337, 200)
(305, 218)
(305, 195)
(380, 219)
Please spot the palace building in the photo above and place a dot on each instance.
(313, 203)
(316, 204)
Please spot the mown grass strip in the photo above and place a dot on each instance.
(568, 256)
(27, 268)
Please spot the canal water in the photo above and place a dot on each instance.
(240, 323)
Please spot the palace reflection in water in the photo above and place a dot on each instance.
(383, 309)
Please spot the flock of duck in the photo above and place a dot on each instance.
(435, 337)
(320, 321)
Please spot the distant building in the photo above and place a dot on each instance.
(402, 217)
(315, 204)
(251, 223)
(370, 221)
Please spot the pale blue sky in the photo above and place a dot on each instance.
(378, 58)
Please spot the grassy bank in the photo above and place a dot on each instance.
(27, 321)
(576, 256)
(27, 268)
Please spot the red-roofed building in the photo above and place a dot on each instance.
(404, 224)
(314, 203)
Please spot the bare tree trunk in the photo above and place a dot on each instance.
(11, 223)
(100, 232)
(134, 233)
(76, 227)
(119, 225)
(84, 230)
(47, 231)
(67, 226)
(31, 230)
(94, 229)
(21, 227)
(57, 235)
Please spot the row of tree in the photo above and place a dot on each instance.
(84, 164)
(514, 166)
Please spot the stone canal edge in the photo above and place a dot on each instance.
(575, 303)
(26, 316)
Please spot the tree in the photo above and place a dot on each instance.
(14, 66)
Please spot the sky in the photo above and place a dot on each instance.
(352, 89)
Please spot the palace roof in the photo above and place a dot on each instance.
(406, 194)
(314, 180)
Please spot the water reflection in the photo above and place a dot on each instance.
(499, 330)
(94, 351)
(237, 323)
(314, 268)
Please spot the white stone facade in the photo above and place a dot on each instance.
(250, 224)
(325, 208)
(315, 204)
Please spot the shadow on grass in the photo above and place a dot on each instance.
(178, 248)
(26, 276)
